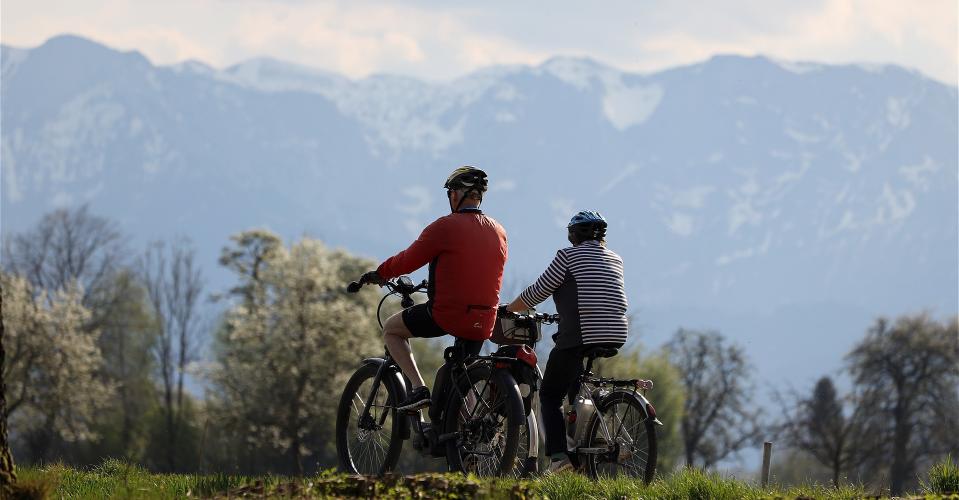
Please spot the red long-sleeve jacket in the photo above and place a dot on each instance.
(466, 252)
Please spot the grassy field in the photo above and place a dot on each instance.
(115, 479)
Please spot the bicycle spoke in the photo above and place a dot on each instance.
(363, 458)
(357, 408)
(615, 415)
(479, 397)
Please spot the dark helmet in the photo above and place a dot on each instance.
(587, 225)
(587, 217)
(466, 177)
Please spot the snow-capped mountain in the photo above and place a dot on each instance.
(784, 203)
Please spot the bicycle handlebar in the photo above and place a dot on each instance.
(405, 288)
(393, 285)
(536, 318)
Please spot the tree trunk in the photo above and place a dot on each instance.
(837, 465)
(7, 474)
(690, 450)
(295, 456)
(900, 465)
(126, 432)
(171, 431)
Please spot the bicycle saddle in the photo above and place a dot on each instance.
(600, 352)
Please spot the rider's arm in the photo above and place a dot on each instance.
(421, 252)
(518, 305)
(551, 279)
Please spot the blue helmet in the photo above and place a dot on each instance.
(587, 217)
(586, 225)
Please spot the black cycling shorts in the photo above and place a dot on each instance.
(419, 321)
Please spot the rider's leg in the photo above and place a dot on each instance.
(396, 337)
(562, 369)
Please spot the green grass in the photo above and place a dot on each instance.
(943, 478)
(686, 484)
(115, 479)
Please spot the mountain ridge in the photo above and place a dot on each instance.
(733, 186)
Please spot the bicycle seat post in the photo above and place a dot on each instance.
(589, 366)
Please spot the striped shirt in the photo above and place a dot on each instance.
(586, 282)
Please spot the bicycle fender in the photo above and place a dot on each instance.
(395, 379)
(643, 402)
(533, 426)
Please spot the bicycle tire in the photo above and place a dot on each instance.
(375, 462)
(632, 445)
(504, 401)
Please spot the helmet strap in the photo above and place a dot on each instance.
(466, 195)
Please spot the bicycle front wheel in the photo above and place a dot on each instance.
(626, 434)
(370, 443)
(484, 420)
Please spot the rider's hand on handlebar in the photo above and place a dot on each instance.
(373, 277)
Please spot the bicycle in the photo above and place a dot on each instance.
(475, 416)
(619, 435)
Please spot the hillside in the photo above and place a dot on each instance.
(784, 203)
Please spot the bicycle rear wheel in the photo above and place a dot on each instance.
(369, 446)
(484, 420)
(628, 436)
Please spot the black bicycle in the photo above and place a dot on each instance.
(476, 411)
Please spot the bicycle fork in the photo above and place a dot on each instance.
(366, 421)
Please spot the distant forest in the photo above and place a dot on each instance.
(100, 342)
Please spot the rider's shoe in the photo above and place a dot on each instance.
(418, 399)
(561, 465)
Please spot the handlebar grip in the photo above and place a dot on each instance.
(353, 287)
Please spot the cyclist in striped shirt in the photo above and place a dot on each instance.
(586, 282)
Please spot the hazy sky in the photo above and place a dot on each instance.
(442, 39)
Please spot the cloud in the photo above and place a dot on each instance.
(443, 40)
(833, 31)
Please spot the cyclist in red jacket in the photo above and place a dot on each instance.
(466, 252)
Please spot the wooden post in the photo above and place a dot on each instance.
(767, 451)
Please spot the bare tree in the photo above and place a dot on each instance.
(71, 246)
(173, 284)
(717, 417)
(907, 381)
(818, 425)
